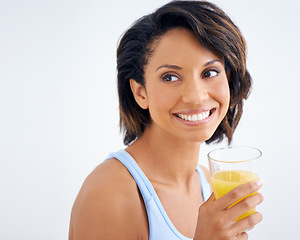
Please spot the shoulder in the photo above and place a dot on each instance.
(108, 205)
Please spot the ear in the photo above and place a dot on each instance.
(139, 93)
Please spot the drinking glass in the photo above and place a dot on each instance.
(232, 166)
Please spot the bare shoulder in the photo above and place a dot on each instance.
(108, 206)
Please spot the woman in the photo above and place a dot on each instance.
(182, 80)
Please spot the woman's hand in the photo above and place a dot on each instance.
(217, 222)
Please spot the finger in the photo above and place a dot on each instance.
(212, 198)
(238, 193)
(242, 236)
(247, 222)
(207, 205)
(245, 205)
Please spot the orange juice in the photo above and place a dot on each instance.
(225, 181)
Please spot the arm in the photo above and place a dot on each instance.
(216, 221)
(108, 206)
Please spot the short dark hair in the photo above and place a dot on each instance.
(214, 30)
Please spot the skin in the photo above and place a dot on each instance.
(181, 78)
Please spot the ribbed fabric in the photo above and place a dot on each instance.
(160, 226)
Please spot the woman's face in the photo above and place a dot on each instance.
(186, 87)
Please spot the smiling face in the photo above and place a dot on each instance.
(186, 87)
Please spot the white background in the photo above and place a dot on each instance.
(59, 109)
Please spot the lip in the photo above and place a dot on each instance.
(196, 111)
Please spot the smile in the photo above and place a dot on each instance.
(194, 117)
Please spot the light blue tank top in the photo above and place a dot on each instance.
(160, 226)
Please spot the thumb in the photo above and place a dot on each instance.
(212, 198)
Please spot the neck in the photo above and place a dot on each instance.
(165, 158)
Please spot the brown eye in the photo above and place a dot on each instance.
(170, 78)
(211, 73)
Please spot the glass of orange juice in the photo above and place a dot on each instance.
(232, 166)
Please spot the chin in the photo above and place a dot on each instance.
(200, 137)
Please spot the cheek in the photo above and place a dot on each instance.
(226, 93)
(222, 94)
(161, 99)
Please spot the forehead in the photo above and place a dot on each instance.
(181, 47)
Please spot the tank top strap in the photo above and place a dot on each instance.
(142, 181)
(206, 191)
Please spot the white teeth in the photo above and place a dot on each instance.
(200, 117)
(194, 117)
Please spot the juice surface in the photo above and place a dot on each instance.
(225, 181)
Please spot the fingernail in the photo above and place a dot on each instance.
(259, 183)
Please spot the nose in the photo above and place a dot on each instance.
(195, 90)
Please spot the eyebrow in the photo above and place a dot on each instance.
(211, 62)
(169, 66)
(180, 68)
